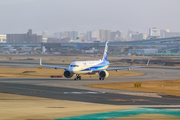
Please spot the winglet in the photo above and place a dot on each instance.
(40, 62)
(148, 62)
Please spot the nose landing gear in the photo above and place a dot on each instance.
(77, 77)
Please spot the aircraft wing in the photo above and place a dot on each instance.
(120, 68)
(52, 66)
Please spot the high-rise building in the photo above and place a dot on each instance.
(89, 35)
(73, 34)
(107, 35)
(93, 35)
(57, 35)
(83, 36)
(139, 36)
(104, 35)
(172, 34)
(154, 32)
(24, 38)
(130, 33)
(135, 37)
(117, 36)
(2, 38)
(143, 36)
(64, 34)
(166, 33)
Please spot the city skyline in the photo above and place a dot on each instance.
(90, 36)
(78, 15)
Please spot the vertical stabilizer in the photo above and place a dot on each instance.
(105, 52)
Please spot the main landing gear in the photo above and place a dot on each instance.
(77, 77)
(101, 78)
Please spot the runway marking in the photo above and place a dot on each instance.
(84, 92)
(116, 100)
(134, 100)
(139, 100)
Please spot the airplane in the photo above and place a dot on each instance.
(89, 67)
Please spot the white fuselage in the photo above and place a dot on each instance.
(87, 67)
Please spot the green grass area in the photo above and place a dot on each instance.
(123, 113)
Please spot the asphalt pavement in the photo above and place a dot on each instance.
(63, 93)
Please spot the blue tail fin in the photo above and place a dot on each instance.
(105, 52)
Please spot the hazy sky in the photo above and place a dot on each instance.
(16, 16)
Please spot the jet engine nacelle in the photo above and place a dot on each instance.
(68, 74)
(103, 74)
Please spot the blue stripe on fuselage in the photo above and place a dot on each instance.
(98, 66)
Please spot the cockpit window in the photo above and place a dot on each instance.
(74, 66)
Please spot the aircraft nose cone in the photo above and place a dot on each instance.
(73, 69)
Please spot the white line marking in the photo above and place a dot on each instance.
(84, 92)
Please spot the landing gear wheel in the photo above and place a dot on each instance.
(99, 78)
(77, 77)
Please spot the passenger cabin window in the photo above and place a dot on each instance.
(74, 66)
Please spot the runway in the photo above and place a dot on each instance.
(63, 93)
